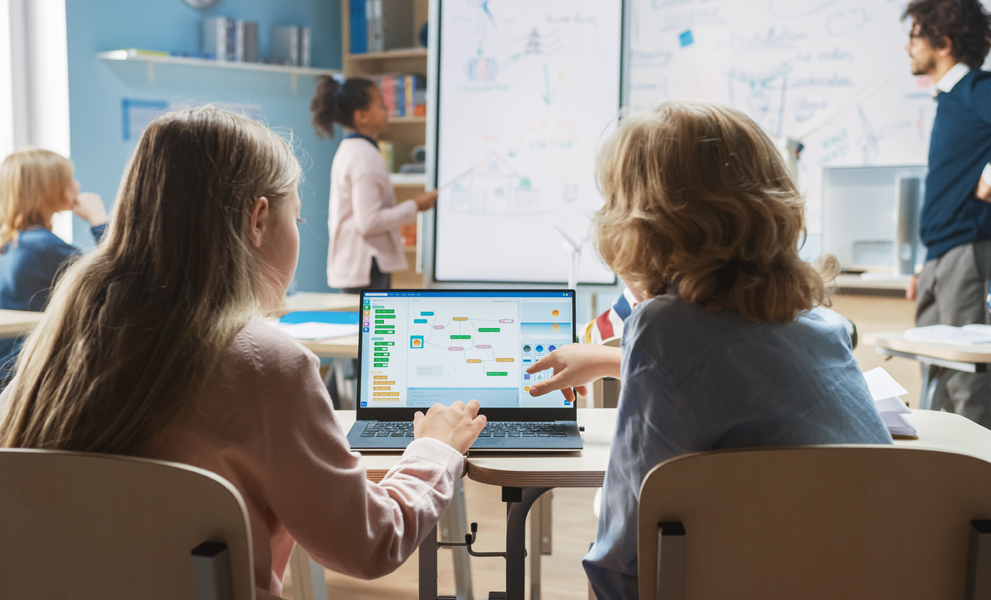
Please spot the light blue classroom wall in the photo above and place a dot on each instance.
(96, 88)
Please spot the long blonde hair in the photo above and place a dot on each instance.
(135, 328)
(33, 184)
(696, 194)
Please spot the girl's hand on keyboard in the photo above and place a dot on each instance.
(575, 365)
(457, 425)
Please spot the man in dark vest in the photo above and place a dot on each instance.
(949, 41)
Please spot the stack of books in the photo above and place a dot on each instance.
(230, 39)
(405, 95)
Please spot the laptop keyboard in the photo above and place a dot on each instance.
(404, 429)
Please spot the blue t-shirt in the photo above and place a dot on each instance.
(28, 272)
(959, 148)
(695, 380)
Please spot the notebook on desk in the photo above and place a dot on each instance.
(421, 347)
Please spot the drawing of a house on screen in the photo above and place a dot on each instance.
(493, 187)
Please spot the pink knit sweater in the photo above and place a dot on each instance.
(364, 218)
(265, 423)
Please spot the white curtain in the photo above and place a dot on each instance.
(34, 82)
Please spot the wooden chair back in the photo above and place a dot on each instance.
(605, 392)
(827, 522)
(76, 525)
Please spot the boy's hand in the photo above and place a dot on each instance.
(576, 365)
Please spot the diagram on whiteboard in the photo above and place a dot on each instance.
(527, 91)
(493, 187)
(785, 63)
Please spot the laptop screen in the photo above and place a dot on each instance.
(424, 347)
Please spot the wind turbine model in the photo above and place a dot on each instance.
(791, 146)
(575, 248)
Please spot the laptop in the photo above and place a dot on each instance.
(421, 347)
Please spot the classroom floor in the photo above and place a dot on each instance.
(573, 530)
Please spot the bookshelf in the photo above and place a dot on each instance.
(154, 60)
(405, 133)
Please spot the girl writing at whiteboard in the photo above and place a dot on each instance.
(728, 347)
(365, 244)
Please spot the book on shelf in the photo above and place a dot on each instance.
(250, 44)
(359, 27)
(399, 89)
(304, 46)
(388, 151)
(285, 45)
(389, 24)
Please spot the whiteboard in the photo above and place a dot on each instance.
(783, 62)
(526, 91)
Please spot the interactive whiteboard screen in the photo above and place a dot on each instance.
(527, 91)
(786, 63)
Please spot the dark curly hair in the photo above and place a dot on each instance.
(964, 22)
(335, 102)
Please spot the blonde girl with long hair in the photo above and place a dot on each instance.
(729, 347)
(151, 348)
(34, 185)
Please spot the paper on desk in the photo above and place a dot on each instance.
(885, 391)
(318, 331)
(882, 385)
(968, 334)
(898, 425)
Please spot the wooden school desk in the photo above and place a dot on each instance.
(314, 301)
(972, 358)
(15, 323)
(525, 478)
(339, 347)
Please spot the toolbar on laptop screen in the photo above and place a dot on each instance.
(424, 347)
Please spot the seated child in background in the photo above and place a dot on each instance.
(728, 349)
(151, 347)
(34, 185)
(610, 323)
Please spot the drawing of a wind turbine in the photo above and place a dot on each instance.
(791, 146)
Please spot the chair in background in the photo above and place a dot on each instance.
(851, 522)
(84, 526)
(605, 391)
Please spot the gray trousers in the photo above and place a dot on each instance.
(952, 291)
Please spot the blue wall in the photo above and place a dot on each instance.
(96, 88)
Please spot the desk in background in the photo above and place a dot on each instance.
(971, 358)
(15, 323)
(339, 347)
(315, 301)
(525, 477)
(881, 313)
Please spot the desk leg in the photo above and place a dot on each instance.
(929, 383)
(516, 542)
(428, 566)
